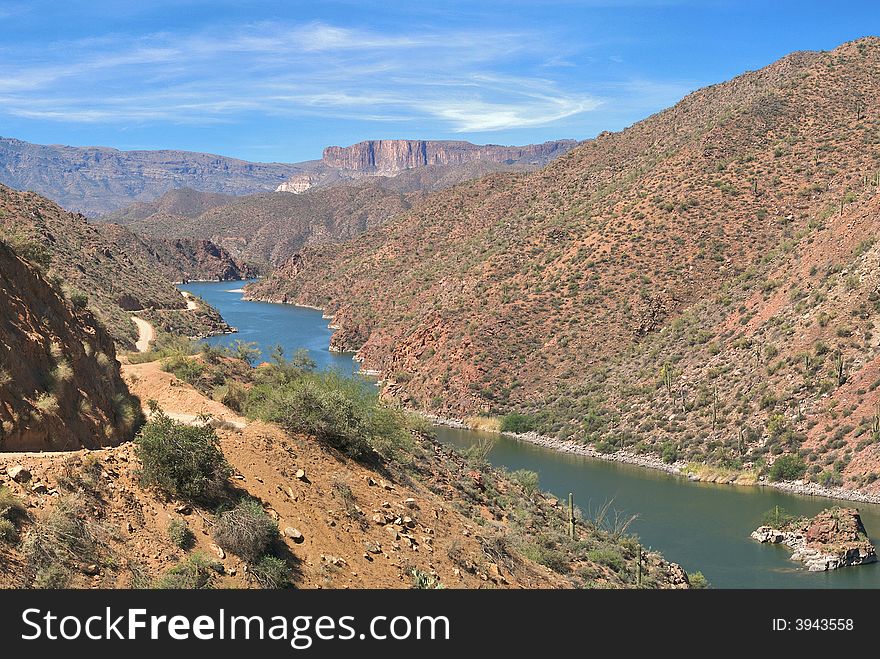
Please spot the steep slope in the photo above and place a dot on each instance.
(60, 384)
(101, 266)
(269, 228)
(181, 259)
(536, 292)
(357, 525)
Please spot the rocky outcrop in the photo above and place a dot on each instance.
(297, 184)
(389, 157)
(192, 259)
(832, 539)
(60, 384)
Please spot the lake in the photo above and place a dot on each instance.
(701, 526)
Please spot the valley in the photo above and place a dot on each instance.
(390, 366)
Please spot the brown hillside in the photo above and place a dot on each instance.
(360, 526)
(116, 271)
(60, 385)
(549, 292)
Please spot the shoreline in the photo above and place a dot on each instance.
(655, 463)
(644, 461)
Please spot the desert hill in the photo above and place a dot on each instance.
(107, 268)
(598, 293)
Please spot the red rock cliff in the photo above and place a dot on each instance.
(393, 156)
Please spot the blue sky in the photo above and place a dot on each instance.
(280, 80)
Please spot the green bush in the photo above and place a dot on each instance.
(179, 533)
(518, 423)
(8, 531)
(422, 580)
(51, 577)
(787, 468)
(529, 480)
(195, 572)
(697, 580)
(78, 299)
(246, 530)
(344, 413)
(183, 368)
(270, 572)
(669, 452)
(11, 507)
(184, 461)
(777, 518)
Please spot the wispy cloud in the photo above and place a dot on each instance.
(455, 77)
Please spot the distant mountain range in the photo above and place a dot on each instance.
(99, 180)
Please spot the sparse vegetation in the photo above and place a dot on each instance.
(246, 530)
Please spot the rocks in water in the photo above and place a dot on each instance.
(832, 539)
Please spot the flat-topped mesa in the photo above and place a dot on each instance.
(832, 539)
(389, 157)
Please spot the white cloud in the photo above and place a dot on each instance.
(458, 78)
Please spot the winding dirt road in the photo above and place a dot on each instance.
(146, 334)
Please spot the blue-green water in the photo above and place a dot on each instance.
(269, 324)
(699, 525)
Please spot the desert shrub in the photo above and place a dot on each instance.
(516, 422)
(697, 580)
(777, 518)
(51, 577)
(787, 468)
(10, 505)
(8, 531)
(344, 413)
(245, 530)
(184, 461)
(529, 480)
(610, 558)
(183, 368)
(669, 452)
(248, 352)
(78, 299)
(422, 580)
(63, 537)
(830, 478)
(180, 534)
(195, 572)
(165, 346)
(270, 572)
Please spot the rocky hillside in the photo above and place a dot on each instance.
(267, 229)
(104, 268)
(60, 384)
(699, 285)
(430, 518)
(390, 157)
(180, 259)
(180, 202)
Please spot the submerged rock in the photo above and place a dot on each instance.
(832, 539)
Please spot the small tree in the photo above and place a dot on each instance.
(184, 461)
(787, 468)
